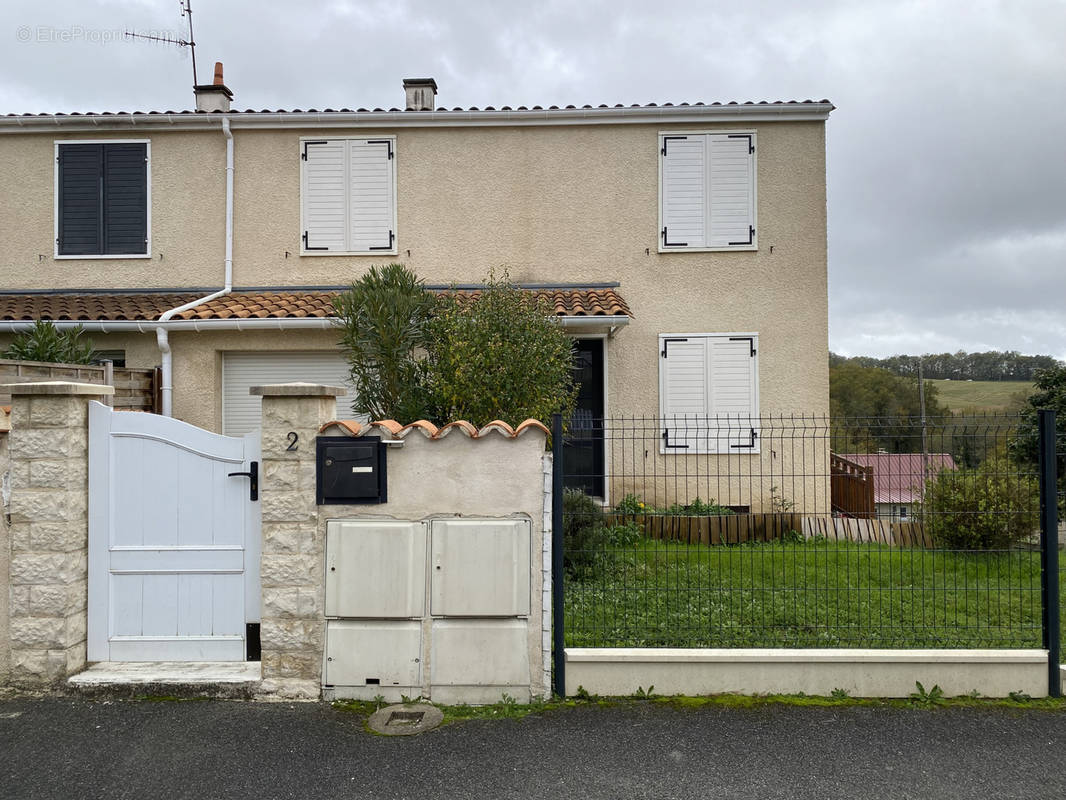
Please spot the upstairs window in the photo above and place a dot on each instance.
(707, 191)
(348, 190)
(102, 199)
(709, 393)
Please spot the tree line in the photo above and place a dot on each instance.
(994, 365)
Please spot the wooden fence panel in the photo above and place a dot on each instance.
(135, 388)
(851, 487)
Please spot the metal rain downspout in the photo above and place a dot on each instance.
(167, 366)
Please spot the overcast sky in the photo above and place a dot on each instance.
(946, 154)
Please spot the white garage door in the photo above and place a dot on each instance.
(240, 371)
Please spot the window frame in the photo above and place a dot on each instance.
(57, 143)
(395, 249)
(754, 246)
(663, 416)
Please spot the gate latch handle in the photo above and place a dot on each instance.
(253, 474)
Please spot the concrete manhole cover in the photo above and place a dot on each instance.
(406, 719)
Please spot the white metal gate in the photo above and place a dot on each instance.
(173, 540)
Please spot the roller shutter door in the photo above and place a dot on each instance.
(240, 371)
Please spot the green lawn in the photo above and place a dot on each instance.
(814, 594)
(980, 396)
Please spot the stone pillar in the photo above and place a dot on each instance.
(293, 625)
(48, 449)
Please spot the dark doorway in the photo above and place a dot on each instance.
(583, 451)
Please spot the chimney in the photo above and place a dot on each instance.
(421, 93)
(213, 96)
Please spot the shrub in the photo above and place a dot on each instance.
(384, 316)
(45, 342)
(500, 356)
(990, 507)
(416, 356)
(630, 504)
(584, 532)
(698, 508)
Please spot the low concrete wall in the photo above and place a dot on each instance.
(861, 673)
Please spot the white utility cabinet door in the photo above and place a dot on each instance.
(480, 652)
(480, 568)
(368, 653)
(173, 540)
(375, 569)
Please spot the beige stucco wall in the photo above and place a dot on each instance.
(490, 477)
(549, 203)
(188, 207)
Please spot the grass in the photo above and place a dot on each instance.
(812, 594)
(981, 396)
(514, 711)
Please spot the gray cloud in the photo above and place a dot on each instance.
(947, 207)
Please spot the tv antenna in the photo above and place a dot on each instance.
(186, 11)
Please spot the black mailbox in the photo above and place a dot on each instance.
(351, 471)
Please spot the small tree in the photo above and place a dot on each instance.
(46, 342)
(990, 507)
(499, 356)
(384, 317)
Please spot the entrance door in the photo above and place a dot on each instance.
(583, 448)
(173, 540)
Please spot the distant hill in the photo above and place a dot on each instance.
(982, 396)
(993, 365)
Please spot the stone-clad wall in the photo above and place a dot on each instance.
(48, 451)
(293, 548)
(5, 555)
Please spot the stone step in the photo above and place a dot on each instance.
(177, 679)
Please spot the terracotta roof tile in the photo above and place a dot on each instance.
(295, 304)
(111, 307)
(431, 431)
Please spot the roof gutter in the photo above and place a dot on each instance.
(575, 324)
(756, 112)
(196, 325)
(161, 331)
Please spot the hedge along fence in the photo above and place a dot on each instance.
(740, 528)
(135, 388)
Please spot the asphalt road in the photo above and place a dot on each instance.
(75, 748)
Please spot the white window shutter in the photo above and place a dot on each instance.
(371, 195)
(731, 186)
(709, 394)
(683, 191)
(324, 202)
(733, 393)
(685, 382)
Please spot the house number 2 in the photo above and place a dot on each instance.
(293, 438)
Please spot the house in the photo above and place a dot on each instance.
(683, 246)
(899, 479)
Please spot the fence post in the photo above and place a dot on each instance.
(558, 629)
(1049, 548)
(109, 380)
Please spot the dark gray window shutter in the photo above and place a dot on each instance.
(80, 199)
(125, 201)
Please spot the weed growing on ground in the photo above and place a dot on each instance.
(934, 697)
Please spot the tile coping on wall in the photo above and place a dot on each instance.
(430, 431)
